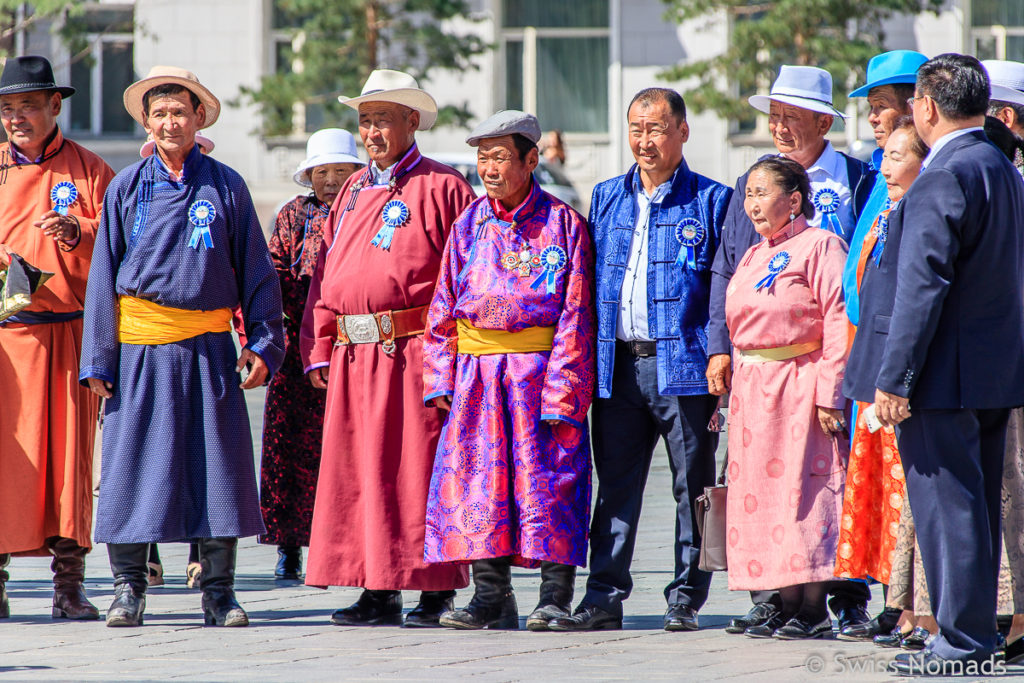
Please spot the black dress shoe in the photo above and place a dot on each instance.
(799, 628)
(289, 563)
(882, 625)
(587, 618)
(428, 612)
(478, 614)
(892, 638)
(373, 608)
(855, 624)
(766, 629)
(758, 614)
(681, 618)
(916, 639)
(543, 615)
(1014, 652)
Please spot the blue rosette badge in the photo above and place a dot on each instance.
(552, 260)
(63, 195)
(775, 266)
(690, 233)
(395, 213)
(881, 230)
(201, 215)
(826, 202)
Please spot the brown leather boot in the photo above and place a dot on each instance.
(5, 607)
(69, 601)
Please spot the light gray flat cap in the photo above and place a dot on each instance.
(506, 122)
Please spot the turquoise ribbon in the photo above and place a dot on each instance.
(775, 266)
(201, 215)
(690, 233)
(394, 214)
(552, 260)
(826, 201)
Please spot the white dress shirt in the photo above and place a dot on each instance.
(830, 171)
(632, 319)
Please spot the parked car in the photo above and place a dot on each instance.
(552, 180)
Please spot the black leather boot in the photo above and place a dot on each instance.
(289, 563)
(493, 604)
(373, 608)
(556, 589)
(430, 608)
(220, 608)
(69, 601)
(128, 564)
(5, 606)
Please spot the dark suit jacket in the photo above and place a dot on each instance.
(877, 295)
(738, 235)
(956, 339)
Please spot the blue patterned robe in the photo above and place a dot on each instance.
(177, 450)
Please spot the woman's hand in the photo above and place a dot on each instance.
(831, 420)
(443, 402)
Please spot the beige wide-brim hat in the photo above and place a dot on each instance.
(160, 75)
(386, 85)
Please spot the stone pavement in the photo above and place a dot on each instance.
(291, 639)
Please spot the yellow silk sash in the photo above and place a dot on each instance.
(780, 352)
(144, 322)
(478, 342)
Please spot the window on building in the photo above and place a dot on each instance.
(556, 58)
(997, 29)
(287, 40)
(102, 72)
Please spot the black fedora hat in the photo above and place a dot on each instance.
(31, 72)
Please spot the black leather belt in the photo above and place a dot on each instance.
(640, 349)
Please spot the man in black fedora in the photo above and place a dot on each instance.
(51, 195)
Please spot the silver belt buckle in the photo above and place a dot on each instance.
(362, 329)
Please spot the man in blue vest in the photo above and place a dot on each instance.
(800, 114)
(656, 230)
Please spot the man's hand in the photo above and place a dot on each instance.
(258, 370)
(59, 227)
(719, 374)
(101, 388)
(831, 420)
(443, 402)
(891, 409)
(318, 377)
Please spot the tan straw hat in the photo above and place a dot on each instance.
(385, 85)
(160, 75)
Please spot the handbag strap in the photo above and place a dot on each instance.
(723, 470)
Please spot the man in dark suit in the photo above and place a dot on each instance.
(954, 353)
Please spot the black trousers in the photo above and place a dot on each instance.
(626, 428)
(953, 463)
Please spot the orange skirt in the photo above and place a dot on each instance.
(872, 503)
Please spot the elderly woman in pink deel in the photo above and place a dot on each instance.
(787, 446)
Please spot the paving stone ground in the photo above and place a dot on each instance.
(291, 639)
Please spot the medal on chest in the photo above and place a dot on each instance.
(690, 233)
(552, 260)
(394, 214)
(826, 202)
(63, 195)
(522, 263)
(775, 266)
(881, 232)
(201, 215)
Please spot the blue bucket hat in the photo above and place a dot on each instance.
(897, 66)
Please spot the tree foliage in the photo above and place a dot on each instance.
(337, 43)
(837, 35)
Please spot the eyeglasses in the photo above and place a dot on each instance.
(911, 100)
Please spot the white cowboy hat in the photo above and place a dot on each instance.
(160, 75)
(327, 146)
(385, 85)
(205, 145)
(807, 87)
(1006, 80)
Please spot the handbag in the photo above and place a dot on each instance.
(710, 513)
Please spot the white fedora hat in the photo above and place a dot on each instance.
(327, 146)
(807, 87)
(161, 75)
(1006, 79)
(385, 85)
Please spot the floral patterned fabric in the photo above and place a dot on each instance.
(506, 483)
(293, 417)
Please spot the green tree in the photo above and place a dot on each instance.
(337, 43)
(837, 35)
